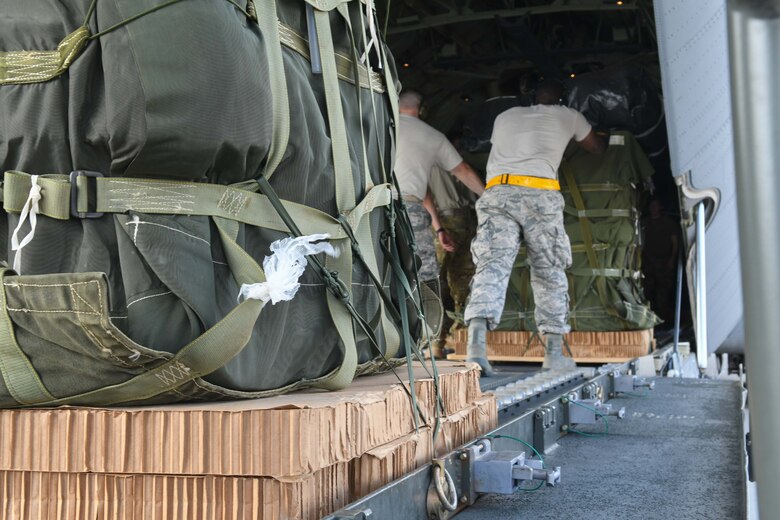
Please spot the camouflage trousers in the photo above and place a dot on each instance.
(506, 216)
(457, 267)
(423, 235)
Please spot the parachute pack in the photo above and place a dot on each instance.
(153, 151)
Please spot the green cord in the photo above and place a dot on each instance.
(599, 415)
(544, 466)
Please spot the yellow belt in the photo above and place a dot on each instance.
(524, 180)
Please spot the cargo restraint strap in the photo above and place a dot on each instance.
(613, 308)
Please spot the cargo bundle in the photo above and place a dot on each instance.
(153, 151)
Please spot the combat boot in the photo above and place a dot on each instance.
(476, 350)
(554, 360)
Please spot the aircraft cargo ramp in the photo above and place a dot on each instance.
(676, 455)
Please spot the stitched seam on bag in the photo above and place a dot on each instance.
(176, 372)
(232, 201)
(210, 390)
(90, 334)
(130, 197)
(75, 294)
(18, 284)
(53, 311)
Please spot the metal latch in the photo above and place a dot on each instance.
(503, 471)
(629, 383)
(589, 411)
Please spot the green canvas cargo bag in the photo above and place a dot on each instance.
(153, 151)
(602, 195)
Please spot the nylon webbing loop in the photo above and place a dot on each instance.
(19, 376)
(23, 67)
(280, 103)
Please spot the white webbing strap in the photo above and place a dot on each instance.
(374, 41)
(30, 209)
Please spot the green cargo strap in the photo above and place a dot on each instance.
(345, 190)
(123, 194)
(342, 166)
(576, 248)
(587, 236)
(344, 65)
(20, 377)
(343, 10)
(607, 186)
(599, 213)
(23, 67)
(609, 273)
(280, 106)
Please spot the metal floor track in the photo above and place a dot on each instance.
(675, 456)
(506, 374)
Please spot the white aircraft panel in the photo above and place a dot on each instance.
(693, 48)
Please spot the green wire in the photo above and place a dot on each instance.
(599, 415)
(544, 466)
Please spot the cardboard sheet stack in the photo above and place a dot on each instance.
(601, 347)
(301, 455)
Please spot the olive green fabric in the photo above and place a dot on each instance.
(180, 110)
(602, 221)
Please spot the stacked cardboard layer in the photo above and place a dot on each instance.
(301, 455)
(585, 346)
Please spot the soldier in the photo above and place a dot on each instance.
(455, 206)
(420, 148)
(523, 201)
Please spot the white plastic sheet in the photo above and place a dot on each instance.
(284, 267)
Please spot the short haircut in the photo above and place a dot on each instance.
(410, 99)
(548, 92)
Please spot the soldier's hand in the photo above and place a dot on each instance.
(446, 242)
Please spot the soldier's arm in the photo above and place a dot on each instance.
(441, 233)
(593, 143)
(469, 177)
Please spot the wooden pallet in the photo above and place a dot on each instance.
(586, 347)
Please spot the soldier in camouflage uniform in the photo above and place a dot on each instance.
(457, 267)
(420, 148)
(455, 205)
(423, 235)
(522, 201)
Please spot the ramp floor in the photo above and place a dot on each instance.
(676, 456)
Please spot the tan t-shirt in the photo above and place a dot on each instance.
(531, 140)
(420, 148)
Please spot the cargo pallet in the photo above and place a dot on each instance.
(586, 347)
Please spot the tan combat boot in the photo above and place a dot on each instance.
(476, 350)
(554, 360)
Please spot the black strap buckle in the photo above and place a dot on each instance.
(74, 194)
